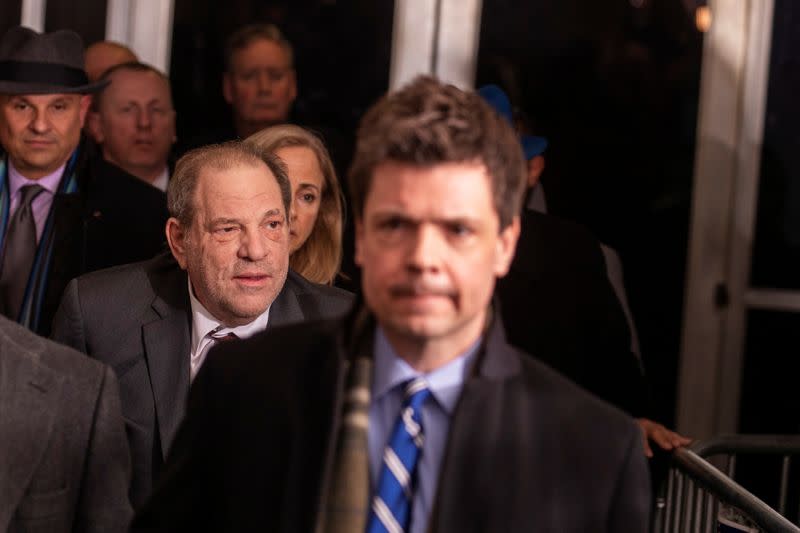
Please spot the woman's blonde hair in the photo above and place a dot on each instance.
(319, 258)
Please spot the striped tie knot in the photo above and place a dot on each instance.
(391, 504)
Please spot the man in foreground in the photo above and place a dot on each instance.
(226, 277)
(64, 463)
(414, 414)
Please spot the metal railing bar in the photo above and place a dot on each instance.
(730, 492)
(787, 460)
(723, 444)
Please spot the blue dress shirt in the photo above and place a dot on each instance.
(445, 383)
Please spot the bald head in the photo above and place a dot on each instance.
(103, 55)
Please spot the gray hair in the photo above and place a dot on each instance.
(180, 191)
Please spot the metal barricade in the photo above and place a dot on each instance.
(697, 496)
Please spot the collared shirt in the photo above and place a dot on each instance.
(537, 200)
(44, 200)
(162, 180)
(204, 324)
(445, 384)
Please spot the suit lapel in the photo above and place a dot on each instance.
(29, 396)
(167, 343)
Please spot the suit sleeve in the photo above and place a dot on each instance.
(68, 320)
(630, 507)
(103, 504)
(184, 498)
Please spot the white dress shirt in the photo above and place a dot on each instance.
(204, 325)
(162, 180)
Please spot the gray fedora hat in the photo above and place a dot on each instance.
(43, 63)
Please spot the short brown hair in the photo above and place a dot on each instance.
(180, 191)
(320, 256)
(244, 36)
(427, 123)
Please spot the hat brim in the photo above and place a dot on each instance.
(21, 87)
(532, 146)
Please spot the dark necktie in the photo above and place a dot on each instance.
(20, 249)
(391, 505)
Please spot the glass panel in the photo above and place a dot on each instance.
(10, 14)
(776, 251)
(769, 402)
(88, 18)
(614, 87)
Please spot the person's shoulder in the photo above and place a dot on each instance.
(277, 352)
(129, 279)
(35, 351)
(565, 400)
(107, 179)
(327, 293)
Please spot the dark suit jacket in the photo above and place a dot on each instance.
(527, 450)
(558, 304)
(137, 319)
(64, 463)
(114, 219)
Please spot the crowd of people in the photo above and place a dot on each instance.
(178, 350)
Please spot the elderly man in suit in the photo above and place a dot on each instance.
(227, 276)
(64, 463)
(414, 414)
(62, 213)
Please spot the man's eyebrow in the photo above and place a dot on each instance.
(273, 212)
(222, 220)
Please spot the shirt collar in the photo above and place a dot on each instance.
(162, 180)
(50, 182)
(203, 322)
(445, 382)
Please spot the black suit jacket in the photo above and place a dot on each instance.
(113, 219)
(558, 304)
(137, 319)
(527, 450)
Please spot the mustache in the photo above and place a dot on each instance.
(421, 288)
(260, 268)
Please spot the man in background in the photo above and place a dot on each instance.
(259, 82)
(133, 122)
(62, 212)
(226, 277)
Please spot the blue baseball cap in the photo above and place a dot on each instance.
(494, 95)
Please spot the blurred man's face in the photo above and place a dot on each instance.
(260, 87)
(40, 131)
(236, 248)
(430, 247)
(135, 123)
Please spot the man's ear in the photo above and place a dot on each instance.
(85, 103)
(94, 127)
(506, 246)
(535, 169)
(359, 237)
(176, 238)
(293, 75)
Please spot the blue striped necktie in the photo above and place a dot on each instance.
(391, 506)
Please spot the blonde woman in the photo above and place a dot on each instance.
(316, 215)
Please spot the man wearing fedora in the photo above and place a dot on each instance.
(62, 213)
